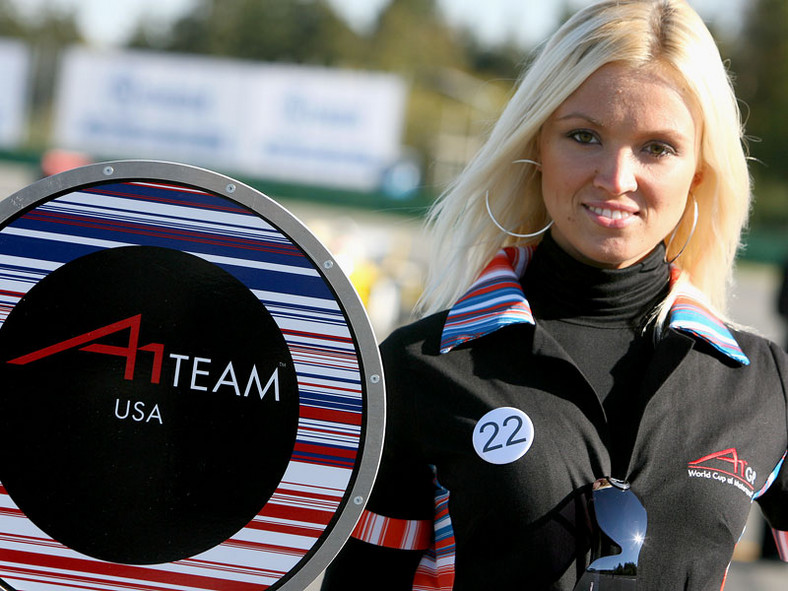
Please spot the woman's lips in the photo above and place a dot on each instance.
(613, 217)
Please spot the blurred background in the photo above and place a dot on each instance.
(354, 114)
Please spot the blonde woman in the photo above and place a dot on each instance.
(574, 411)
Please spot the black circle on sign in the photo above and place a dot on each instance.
(149, 405)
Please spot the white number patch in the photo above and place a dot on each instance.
(503, 435)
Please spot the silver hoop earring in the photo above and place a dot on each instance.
(538, 165)
(504, 230)
(692, 231)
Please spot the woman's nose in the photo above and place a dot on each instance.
(616, 173)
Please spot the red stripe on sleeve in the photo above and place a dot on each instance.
(402, 534)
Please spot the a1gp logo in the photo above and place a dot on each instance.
(149, 405)
(91, 342)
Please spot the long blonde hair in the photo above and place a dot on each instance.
(635, 32)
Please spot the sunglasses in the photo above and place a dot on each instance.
(618, 529)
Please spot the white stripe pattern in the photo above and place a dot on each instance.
(320, 341)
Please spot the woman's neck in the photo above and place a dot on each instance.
(559, 287)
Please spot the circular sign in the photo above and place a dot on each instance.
(191, 388)
(503, 435)
(173, 366)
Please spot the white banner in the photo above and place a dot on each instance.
(14, 72)
(305, 125)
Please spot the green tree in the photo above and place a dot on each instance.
(56, 27)
(456, 85)
(302, 31)
(502, 61)
(760, 64)
(47, 35)
(412, 37)
(449, 104)
(10, 24)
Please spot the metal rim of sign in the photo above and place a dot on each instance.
(341, 524)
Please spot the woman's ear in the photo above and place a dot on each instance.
(697, 179)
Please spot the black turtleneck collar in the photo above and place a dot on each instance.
(560, 287)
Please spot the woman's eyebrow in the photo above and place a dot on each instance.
(657, 131)
(579, 115)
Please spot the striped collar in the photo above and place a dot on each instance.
(496, 299)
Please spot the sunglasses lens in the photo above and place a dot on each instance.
(618, 536)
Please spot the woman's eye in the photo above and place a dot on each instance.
(583, 137)
(659, 149)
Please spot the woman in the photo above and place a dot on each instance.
(575, 329)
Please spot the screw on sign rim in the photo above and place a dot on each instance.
(193, 394)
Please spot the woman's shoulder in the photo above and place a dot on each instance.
(760, 349)
(420, 338)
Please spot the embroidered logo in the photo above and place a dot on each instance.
(727, 468)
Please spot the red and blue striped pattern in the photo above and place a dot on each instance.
(436, 569)
(316, 330)
(771, 478)
(690, 313)
(496, 299)
(389, 532)
(493, 301)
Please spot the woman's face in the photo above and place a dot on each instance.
(619, 157)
